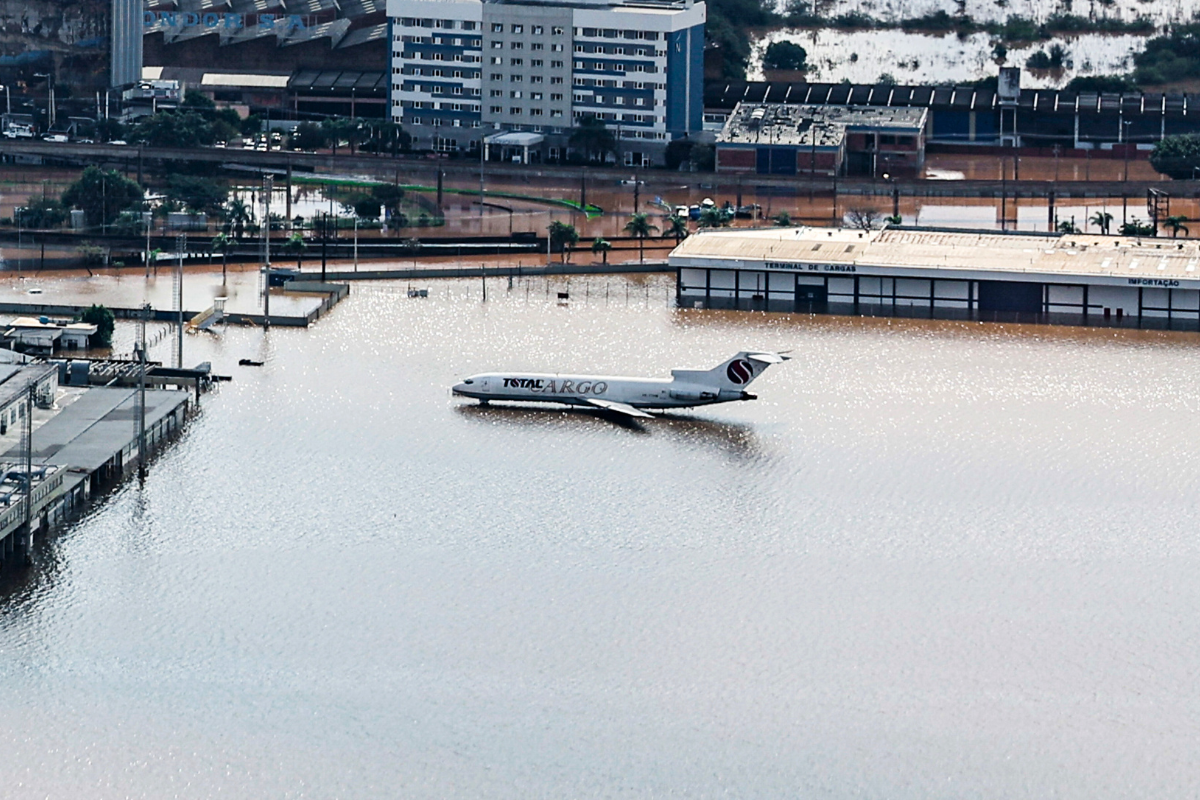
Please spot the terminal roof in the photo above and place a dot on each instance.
(1073, 255)
(809, 125)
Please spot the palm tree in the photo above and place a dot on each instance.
(1102, 220)
(296, 246)
(564, 236)
(639, 226)
(601, 246)
(1175, 224)
(237, 216)
(677, 227)
(221, 242)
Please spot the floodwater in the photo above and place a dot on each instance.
(933, 560)
(1161, 11)
(915, 58)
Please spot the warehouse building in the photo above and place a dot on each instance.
(1070, 278)
(780, 139)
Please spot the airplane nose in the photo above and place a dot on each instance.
(459, 388)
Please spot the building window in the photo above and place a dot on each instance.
(516, 62)
(497, 27)
(556, 80)
(535, 95)
(555, 112)
(515, 111)
(518, 28)
(497, 60)
(557, 30)
(537, 46)
(458, 73)
(579, 48)
(537, 62)
(556, 48)
(437, 122)
(496, 93)
(496, 76)
(516, 78)
(535, 112)
(537, 30)
(497, 109)
(535, 78)
(516, 45)
(515, 95)
(469, 26)
(555, 98)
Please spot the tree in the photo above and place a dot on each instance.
(1067, 226)
(108, 130)
(785, 55)
(365, 206)
(676, 226)
(388, 195)
(1102, 220)
(237, 216)
(44, 212)
(1175, 224)
(562, 238)
(221, 242)
(639, 225)
(174, 129)
(601, 246)
(783, 219)
(593, 138)
(1177, 156)
(865, 218)
(102, 195)
(295, 246)
(713, 218)
(198, 195)
(1136, 227)
(103, 319)
(309, 136)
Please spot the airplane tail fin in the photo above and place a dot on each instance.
(738, 372)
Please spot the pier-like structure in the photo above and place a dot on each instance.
(60, 444)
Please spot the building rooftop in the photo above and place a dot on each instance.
(1141, 260)
(809, 125)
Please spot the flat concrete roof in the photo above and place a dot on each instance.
(809, 125)
(100, 422)
(1037, 258)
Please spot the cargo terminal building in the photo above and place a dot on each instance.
(1073, 279)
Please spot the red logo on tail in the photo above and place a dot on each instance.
(740, 371)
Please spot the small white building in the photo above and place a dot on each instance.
(44, 335)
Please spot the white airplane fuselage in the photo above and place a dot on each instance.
(685, 388)
(582, 389)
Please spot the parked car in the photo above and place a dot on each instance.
(56, 137)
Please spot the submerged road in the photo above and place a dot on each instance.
(407, 170)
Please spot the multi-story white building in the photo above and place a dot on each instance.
(514, 76)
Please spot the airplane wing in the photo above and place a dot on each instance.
(620, 408)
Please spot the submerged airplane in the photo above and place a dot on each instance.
(629, 396)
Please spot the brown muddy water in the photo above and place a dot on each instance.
(935, 559)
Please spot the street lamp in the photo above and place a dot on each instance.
(895, 196)
(49, 76)
(1125, 123)
(7, 99)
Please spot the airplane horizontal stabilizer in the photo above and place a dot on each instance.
(768, 358)
(620, 408)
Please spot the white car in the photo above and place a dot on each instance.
(56, 137)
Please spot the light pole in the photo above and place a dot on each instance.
(895, 197)
(7, 100)
(267, 185)
(1125, 123)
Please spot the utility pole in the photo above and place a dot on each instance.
(180, 246)
(140, 416)
(27, 452)
(268, 185)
